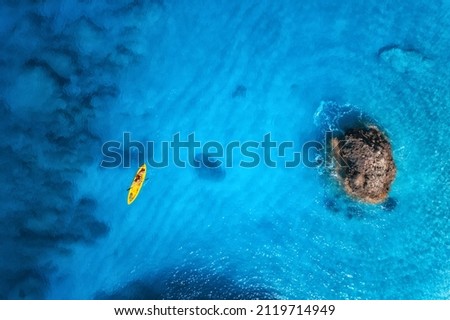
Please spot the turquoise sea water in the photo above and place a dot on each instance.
(79, 74)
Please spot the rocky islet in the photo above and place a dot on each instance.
(364, 163)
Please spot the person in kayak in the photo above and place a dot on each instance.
(138, 177)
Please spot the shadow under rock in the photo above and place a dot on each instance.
(188, 285)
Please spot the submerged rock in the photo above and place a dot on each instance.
(239, 92)
(364, 164)
(403, 59)
(389, 205)
(208, 167)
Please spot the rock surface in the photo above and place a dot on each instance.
(364, 164)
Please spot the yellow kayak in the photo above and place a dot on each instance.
(137, 183)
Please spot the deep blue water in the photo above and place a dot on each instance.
(78, 74)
